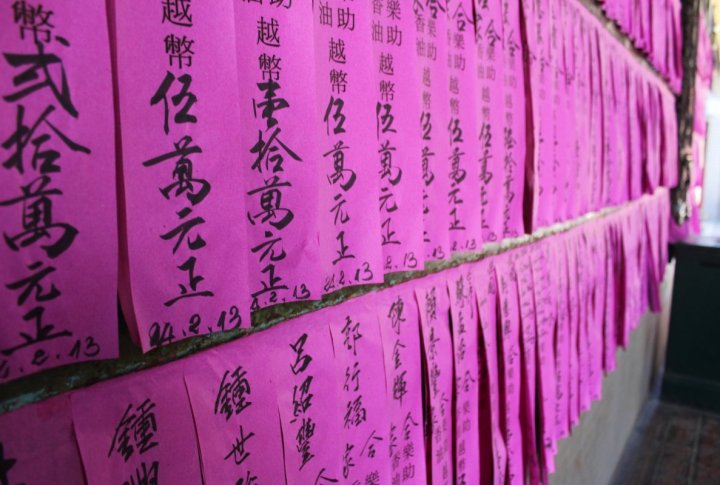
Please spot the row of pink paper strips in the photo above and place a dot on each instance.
(269, 151)
(655, 27)
(471, 375)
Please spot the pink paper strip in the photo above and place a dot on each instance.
(350, 221)
(58, 256)
(431, 23)
(400, 331)
(536, 22)
(464, 318)
(545, 305)
(562, 346)
(489, 39)
(362, 396)
(137, 429)
(278, 160)
(236, 413)
(597, 322)
(510, 360)
(528, 344)
(464, 171)
(492, 441)
(584, 272)
(597, 162)
(563, 133)
(397, 134)
(183, 268)
(307, 382)
(514, 129)
(573, 303)
(434, 307)
(610, 310)
(37, 444)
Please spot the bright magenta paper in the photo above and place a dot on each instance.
(464, 169)
(279, 162)
(363, 422)
(465, 328)
(514, 129)
(434, 304)
(307, 384)
(431, 24)
(400, 331)
(397, 136)
(58, 217)
(137, 429)
(489, 42)
(349, 215)
(184, 269)
(232, 394)
(510, 360)
(528, 345)
(492, 441)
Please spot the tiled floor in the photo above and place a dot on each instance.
(672, 445)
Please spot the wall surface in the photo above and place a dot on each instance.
(593, 451)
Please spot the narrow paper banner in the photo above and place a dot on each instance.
(183, 268)
(492, 439)
(434, 305)
(514, 129)
(307, 390)
(58, 218)
(465, 328)
(400, 331)
(510, 361)
(279, 161)
(528, 344)
(431, 23)
(546, 312)
(349, 219)
(235, 411)
(137, 429)
(397, 135)
(363, 421)
(489, 42)
(464, 169)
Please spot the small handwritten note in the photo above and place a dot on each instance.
(235, 411)
(184, 262)
(463, 195)
(434, 304)
(279, 162)
(363, 419)
(307, 387)
(350, 230)
(58, 217)
(492, 441)
(510, 361)
(514, 128)
(400, 331)
(397, 135)
(465, 327)
(137, 429)
(431, 24)
(490, 58)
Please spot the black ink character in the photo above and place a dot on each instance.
(233, 394)
(184, 97)
(138, 425)
(177, 12)
(37, 220)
